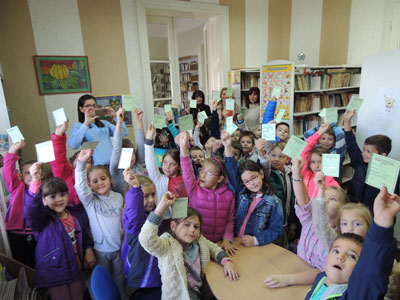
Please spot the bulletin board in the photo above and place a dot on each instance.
(277, 75)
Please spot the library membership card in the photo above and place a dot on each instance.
(294, 147)
(382, 171)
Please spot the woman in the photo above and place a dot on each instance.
(252, 114)
(201, 106)
(91, 129)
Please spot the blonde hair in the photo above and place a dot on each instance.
(342, 194)
(145, 181)
(362, 210)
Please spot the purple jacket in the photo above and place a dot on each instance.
(140, 268)
(56, 262)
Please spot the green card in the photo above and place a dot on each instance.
(193, 103)
(186, 123)
(276, 92)
(127, 103)
(89, 145)
(331, 115)
(180, 207)
(215, 96)
(279, 116)
(331, 164)
(202, 116)
(230, 104)
(322, 113)
(243, 111)
(167, 108)
(294, 147)
(382, 171)
(268, 132)
(15, 134)
(229, 92)
(231, 128)
(355, 103)
(159, 121)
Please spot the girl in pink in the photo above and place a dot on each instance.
(210, 195)
(313, 162)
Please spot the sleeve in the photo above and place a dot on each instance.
(274, 225)
(196, 139)
(320, 223)
(265, 163)
(133, 216)
(60, 166)
(340, 142)
(9, 172)
(84, 192)
(111, 128)
(115, 154)
(310, 132)
(150, 161)
(303, 212)
(149, 239)
(370, 276)
(228, 232)
(269, 112)
(140, 146)
(232, 169)
(242, 125)
(34, 211)
(216, 252)
(214, 126)
(353, 150)
(189, 178)
(77, 135)
(172, 129)
(311, 142)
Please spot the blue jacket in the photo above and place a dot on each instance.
(359, 191)
(266, 221)
(140, 268)
(56, 262)
(370, 276)
(81, 133)
(269, 112)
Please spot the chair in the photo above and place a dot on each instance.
(102, 286)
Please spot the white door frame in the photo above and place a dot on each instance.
(182, 7)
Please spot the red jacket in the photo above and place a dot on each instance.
(62, 168)
(217, 207)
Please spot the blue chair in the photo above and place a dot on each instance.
(102, 286)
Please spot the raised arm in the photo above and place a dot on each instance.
(311, 143)
(139, 136)
(149, 157)
(263, 156)
(9, 171)
(214, 125)
(299, 187)
(117, 144)
(84, 192)
(269, 112)
(187, 168)
(231, 164)
(351, 143)
(60, 166)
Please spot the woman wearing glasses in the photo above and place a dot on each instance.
(91, 129)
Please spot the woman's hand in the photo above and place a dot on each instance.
(36, 171)
(228, 247)
(89, 119)
(150, 132)
(130, 178)
(110, 111)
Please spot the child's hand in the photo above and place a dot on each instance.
(225, 113)
(386, 207)
(89, 119)
(182, 139)
(230, 271)
(198, 125)
(110, 111)
(150, 132)
(248, 240)
(130, 178)
(319, 180)
(297, 165)
(214, 105)
(272, 122)
(36, 171)
(120, 114)
(217, 144)
(167, 200)
(138, 113)
(90, 259)
(187, 109)
(323, 128)
(168, 116)
(260, 145)
(60, 130)
(277, 281)
(14, 148)
(226, 139)
(84, 155)
(348, 115)
(228, 247)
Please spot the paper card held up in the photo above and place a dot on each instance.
(202, 116)
(45, 152)
(276, 91)
(125, 158)
(294, 147)
(355, 103)
(127, 103)
(89, 145)
(382, 171)
(268, 132)
(229, 92)
(59, 116)
(159, 121)
(331, 164)
(179, 209)
(230, 104)
(15, 134)
(193, 103)
(279, 116)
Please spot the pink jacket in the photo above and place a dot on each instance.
(217, 207)
(62, 168)
(14, 219)
(308, 174)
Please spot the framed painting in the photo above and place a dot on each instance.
(115, 102)
(62, 74)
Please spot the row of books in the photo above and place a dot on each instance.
(249, 81)
(161, 94)
(189, 77)
(188, 66)
(301, 125)
(315, 102)
(315, 82)
(189, 86)
(159, 68)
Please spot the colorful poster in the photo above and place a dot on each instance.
(277, 75)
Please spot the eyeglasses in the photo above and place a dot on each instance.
(208, 173)
(251, 180)
(90, 105)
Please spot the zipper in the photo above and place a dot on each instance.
(215, 212)
(51, 252)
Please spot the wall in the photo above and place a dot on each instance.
(158, 48)
(189, 42)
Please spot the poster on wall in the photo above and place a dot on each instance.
(388, 103)
(115, 102)
(277, 76)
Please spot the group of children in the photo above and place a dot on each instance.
(237, 185)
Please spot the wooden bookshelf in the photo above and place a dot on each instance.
(161, 82)
(189, 76)
(241, 81)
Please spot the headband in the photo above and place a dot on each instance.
(220, 164)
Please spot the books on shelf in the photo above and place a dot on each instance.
(315, 81)
(315, 102)
(249, 80)
(300, 125)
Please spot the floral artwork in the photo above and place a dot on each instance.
(115, 102)
(62, 74)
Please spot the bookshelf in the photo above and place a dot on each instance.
(189, 76)
(241, 81)
(161, 82)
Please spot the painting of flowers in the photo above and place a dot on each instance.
(62, 74)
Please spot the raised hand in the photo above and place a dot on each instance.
(138, 113)
(168, 116)
(323, 128)
(110, 111)
(89, 119)
(297, 165)
(84, 155)
(386, 206)
(36, 171)
(14, 148)
(150, 132)
(120, 114)
(130, 178)
(319, 180)
(217, 144)
(182, 139)
(167, 200)
(226, 139)
(260, 145)
(348, 115)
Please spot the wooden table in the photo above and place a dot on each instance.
(254, 264)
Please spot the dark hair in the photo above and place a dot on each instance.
(249, 134)
(349, 236)
(157, 139)
(316, 150)
(283, 123)
(127, 143)
(100, 167)
(218, 164)
(223, 89)
(194, 148)
(190, 213)
(252, 90)
(174, 153)
(252, 166)
(53, 186)
(331, 132)
(238, 146)
(81, 115)
(25, 163)
(382, 143)
(198, 93)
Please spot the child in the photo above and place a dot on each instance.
(104, 208)
(352, 274)
(247, 140)
(236, 149)
(170, 179)
(183, 254)
(259, 218)
(282, 131)
(137, 159)
(197, 156)
(313, 162)
(19, 233)
(62, 234)
(140, 268)
(236, 135)
(211, 196)
(379, 144)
